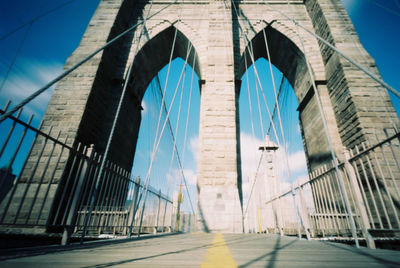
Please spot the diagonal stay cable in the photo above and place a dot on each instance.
(249, 98)
(282, 133)
(174, 147)
(18, 51)
(258, 79)
(252, 129)
(67, 72)
(279, 94)
(316, 93)
(257, 82)
(36, 18)
(385, 7)
(326, 43)
(159, 141)
(111, 135)
(180, 163)
(145, 186)
(335, 161)
(188, 112)
(252, 187)
(162, 108)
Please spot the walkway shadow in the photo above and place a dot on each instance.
(387, 263)
(109, 264)
(15, 253)
(273, 254)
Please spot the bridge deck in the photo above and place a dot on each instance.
(210, 250)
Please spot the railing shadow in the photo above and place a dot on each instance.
(273, 254)
(206, 245)
(15, 253)
(363, 252)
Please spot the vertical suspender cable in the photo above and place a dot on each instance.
(252, 128)
(35, 19)
(249, 97)
(170, 127)
(317, 97)
(283, 138)
(145, 189)
(326, 43)
(258, 79)
(335, 161)
(174, 146)
(279, 93)
(188, 112)
(158, 143)
(19, 49)
(110, 137)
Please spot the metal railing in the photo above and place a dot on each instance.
(55, 187)
(371, 176)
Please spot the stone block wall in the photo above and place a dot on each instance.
(84, 103)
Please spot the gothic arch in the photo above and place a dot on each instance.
(155, 54)
(152, 56)
(286, 55)
(289, 58)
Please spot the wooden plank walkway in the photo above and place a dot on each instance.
(211, 250)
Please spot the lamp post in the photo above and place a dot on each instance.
(268, 149)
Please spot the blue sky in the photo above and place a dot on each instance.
(51, 39)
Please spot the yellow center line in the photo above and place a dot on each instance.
(218, 255)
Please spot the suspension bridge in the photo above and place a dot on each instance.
(76, 188)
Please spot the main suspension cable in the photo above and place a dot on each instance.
(188, 112)
(68, 71)
(282, 133)
(274, 111)
(326, 43)
(258, 79)
(35, 19)
(155, 149)
(174, 147)
(111, 135)
(20, 45)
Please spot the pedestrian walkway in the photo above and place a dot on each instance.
(212, 250)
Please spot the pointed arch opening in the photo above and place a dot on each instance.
(290, 61)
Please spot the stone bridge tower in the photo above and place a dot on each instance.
(218, 34)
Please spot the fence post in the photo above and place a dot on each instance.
(158, 211)
(303, 213)
(72, 214)
(133, 209)
(365, 224)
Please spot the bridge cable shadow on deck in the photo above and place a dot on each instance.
(15, 253)
(207, 245)
(362, 252)
(273, 254)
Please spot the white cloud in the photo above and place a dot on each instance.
(194, 147)
(250, 156)
(21, 83)
(191, 176)
(174, 176)
(297, 162)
